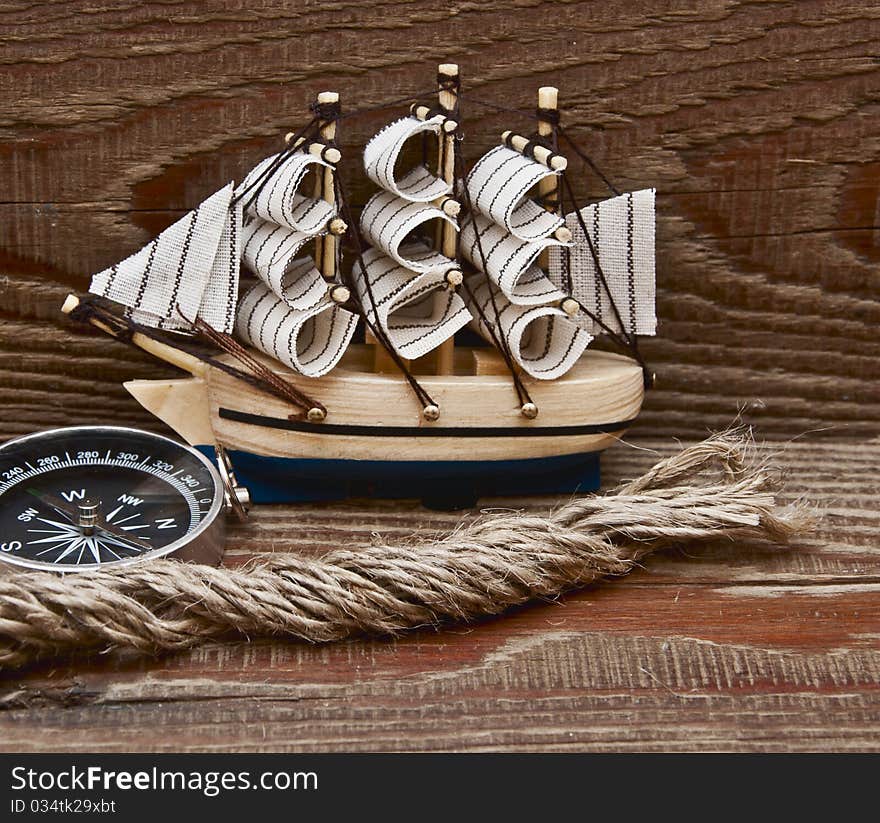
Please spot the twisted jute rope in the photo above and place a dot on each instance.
(714, 489)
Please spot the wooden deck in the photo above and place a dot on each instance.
(758, 125)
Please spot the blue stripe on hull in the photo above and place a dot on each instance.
(296, 480)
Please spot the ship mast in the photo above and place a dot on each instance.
(448, 84)
(327, 247)
(550, 188)
(441, 360)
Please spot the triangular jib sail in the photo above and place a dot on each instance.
(189, 271)
(622, 233)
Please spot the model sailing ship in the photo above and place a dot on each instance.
(305, 413)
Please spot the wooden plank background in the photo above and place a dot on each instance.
(759, 124)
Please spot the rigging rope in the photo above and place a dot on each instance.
(261, 378)
(232, 347)
(499, 339)
(293, 146)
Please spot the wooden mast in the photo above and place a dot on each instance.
(327, 247)
(548, 99)
(548, 188)
(448, 78)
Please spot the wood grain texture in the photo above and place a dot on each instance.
(759, 124)
(730, 646)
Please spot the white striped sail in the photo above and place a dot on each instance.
(382, 154)
(402, 282)
(289, 314)
(543, 341)
(190, 270)
(388, 222)
(622, 232)
(279, 200)
(509, 262)
(308, 332)
(280, 220)
(270, 252)
(414, 309)
(499, 186)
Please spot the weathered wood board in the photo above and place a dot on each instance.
(727, 646)
(757, 122)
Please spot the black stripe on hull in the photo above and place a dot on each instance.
(424, 431)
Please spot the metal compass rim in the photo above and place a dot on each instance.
(191, 537)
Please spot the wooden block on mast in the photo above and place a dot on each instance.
(423, 112)
(449, 206)
(317, 148)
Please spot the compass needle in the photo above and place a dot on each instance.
(67, 526)
(74, 545)
(96, 551)
(58, 483)
(55, 539)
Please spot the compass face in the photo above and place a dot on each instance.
(72, 499)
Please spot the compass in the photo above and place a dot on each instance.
(98, 496)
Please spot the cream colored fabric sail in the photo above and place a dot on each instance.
(220, 297)
(622, 231)
(542, 339)
(388, 222)
(383, 151)
(269, 251)
(413, 308)
(302, 286)
(499, 186)
(279, 200)
(189, 270)
(509, 262)
(310, 337)
(289, 314)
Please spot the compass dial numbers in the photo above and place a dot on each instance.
(69, 503)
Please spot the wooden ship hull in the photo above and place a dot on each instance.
(375, 441)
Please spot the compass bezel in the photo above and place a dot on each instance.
(204, 544)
